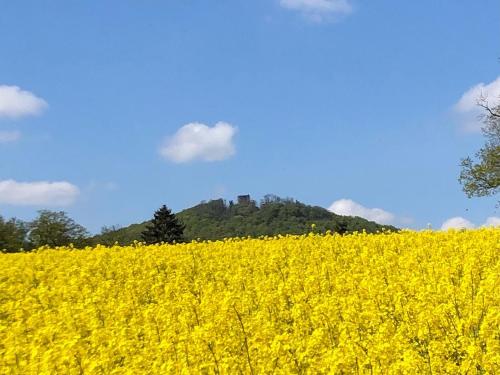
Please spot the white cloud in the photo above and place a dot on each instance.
(9, 136)
(319, 10)
(492, 221)
(37, 193)
(467, 106)
(348, 207)
(457, 222)
(490, 91)
(15, 102)
(197, 141)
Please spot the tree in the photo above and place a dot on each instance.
(56, 229)
(12, 235)
(342, 227)
(110, 236)
(482, 177)
(165, 227)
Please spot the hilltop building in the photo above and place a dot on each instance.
(244, 199)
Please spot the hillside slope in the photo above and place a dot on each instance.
(217, 220)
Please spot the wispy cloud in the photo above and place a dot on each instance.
(37, 193)
(319, 10)
(467, 107)
(348, 207)
(15, 102)
(96, 185)
(9, 136)
(196, 141)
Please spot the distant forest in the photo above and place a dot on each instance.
(218, 219)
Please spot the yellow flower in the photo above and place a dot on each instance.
(395, 303)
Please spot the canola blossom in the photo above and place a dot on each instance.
(398, 303)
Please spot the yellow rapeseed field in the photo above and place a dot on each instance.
(401, 303)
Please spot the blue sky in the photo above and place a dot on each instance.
(110, 109)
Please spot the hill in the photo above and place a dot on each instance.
(218, 219)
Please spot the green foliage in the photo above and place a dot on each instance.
(110, 236)
(482, 177)
(13, 235)
(165, 227)
(215, 220)
(56, 229)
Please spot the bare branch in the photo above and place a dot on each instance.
(488, 108)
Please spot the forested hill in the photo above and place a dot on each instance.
(216, 220)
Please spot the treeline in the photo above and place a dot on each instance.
(213, 220)
(56, 228)
(51, 228)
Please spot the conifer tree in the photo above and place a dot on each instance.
(165, 227)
